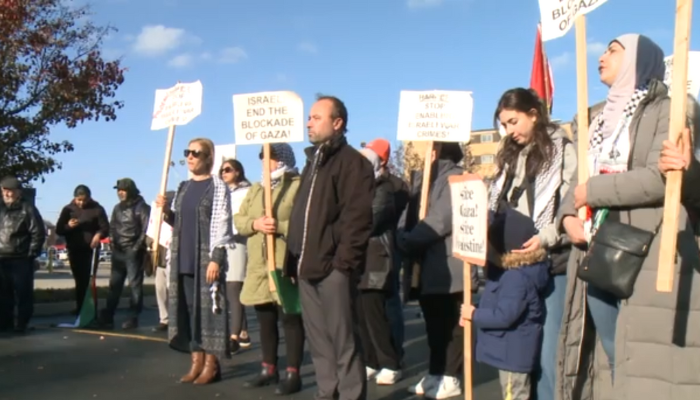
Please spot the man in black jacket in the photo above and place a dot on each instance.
(128, 236)
(83, 222)
(329, 231)
(22, 236)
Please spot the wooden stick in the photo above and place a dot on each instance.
(267, 196)
(677, 122)
(424, 192)
(468, 385)
(582, 103)
(158, 216)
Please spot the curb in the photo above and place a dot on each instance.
(65, 308)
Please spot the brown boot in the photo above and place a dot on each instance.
(196, 369)
(211, 372)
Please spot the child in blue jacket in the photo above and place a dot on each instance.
(510, 314)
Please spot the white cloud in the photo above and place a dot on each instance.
(561, 60)
(232, 55)
(158, 39)
(181, 61)
(596, 49)
(307, 47)
(423, 3)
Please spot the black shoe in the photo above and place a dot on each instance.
(290, 385)
(161, 327)
(235, 346)
(268, 376)
(131, 323)
(244, 342)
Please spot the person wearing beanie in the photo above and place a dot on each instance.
(511, 311)
(394, 303)
(83, 223)
(128, 237)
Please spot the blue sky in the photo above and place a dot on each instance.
(363, 51)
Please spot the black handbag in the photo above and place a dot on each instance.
(615, 257)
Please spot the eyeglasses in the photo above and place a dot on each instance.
(194, 153)
(226, 170)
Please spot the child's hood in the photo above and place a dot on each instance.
(533, 264)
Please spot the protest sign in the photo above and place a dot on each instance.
(470, 208)
(558, 16)
(693, 73)
(436, 115)
(268, 117)
(177, 106)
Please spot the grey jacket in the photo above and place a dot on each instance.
(656, 344)
(430, 240)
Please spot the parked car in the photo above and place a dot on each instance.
(43, 261)
(106, 256)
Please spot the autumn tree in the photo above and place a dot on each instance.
(52, 73)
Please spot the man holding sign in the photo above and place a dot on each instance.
(329, 230)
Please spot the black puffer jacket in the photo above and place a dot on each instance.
(22, 230)
(128, 224)
(380, 249)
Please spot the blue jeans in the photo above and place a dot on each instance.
(394, 310)
(604, 310)
(554, 299)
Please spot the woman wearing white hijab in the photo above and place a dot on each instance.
(649, 342)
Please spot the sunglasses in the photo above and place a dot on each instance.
(226, 170)
(194, 153)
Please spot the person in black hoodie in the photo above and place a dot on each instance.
(83, 223)
(128, 235)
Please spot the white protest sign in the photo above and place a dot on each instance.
(166, 231)
(268, 117)
(222, 153)
(177, 106)
(436, 115)
(693, 73)
(558, 16)
(470, 211)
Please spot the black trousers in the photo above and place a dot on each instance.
(445, 337)
(268, 315)
(375, 331)
(81, 262)
(16, 289)
(236, 311)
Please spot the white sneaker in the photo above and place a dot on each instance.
(388, 377)
(447, 387)
(425, 384)
(371, 373)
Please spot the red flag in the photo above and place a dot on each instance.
(541, 79)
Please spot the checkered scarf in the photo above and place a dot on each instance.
(598, 138)
(286, 162)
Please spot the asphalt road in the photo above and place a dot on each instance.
(62, 364)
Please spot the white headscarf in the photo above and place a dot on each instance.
(374, 160)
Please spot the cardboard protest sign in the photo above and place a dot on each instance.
(470, 208)
(693, 73)
(177, 106)
(558, 16)
(268, 117)
(435, 115)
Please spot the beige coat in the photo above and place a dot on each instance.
(657, 342)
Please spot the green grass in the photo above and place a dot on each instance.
(66, 295)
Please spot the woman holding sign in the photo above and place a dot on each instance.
(202, 231)
(648, 342)
(250, 221)
(535, 166)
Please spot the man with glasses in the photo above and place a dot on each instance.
(128, 237)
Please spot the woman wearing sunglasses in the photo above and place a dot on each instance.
(251, 221)
(202, 232)
(233, 174)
